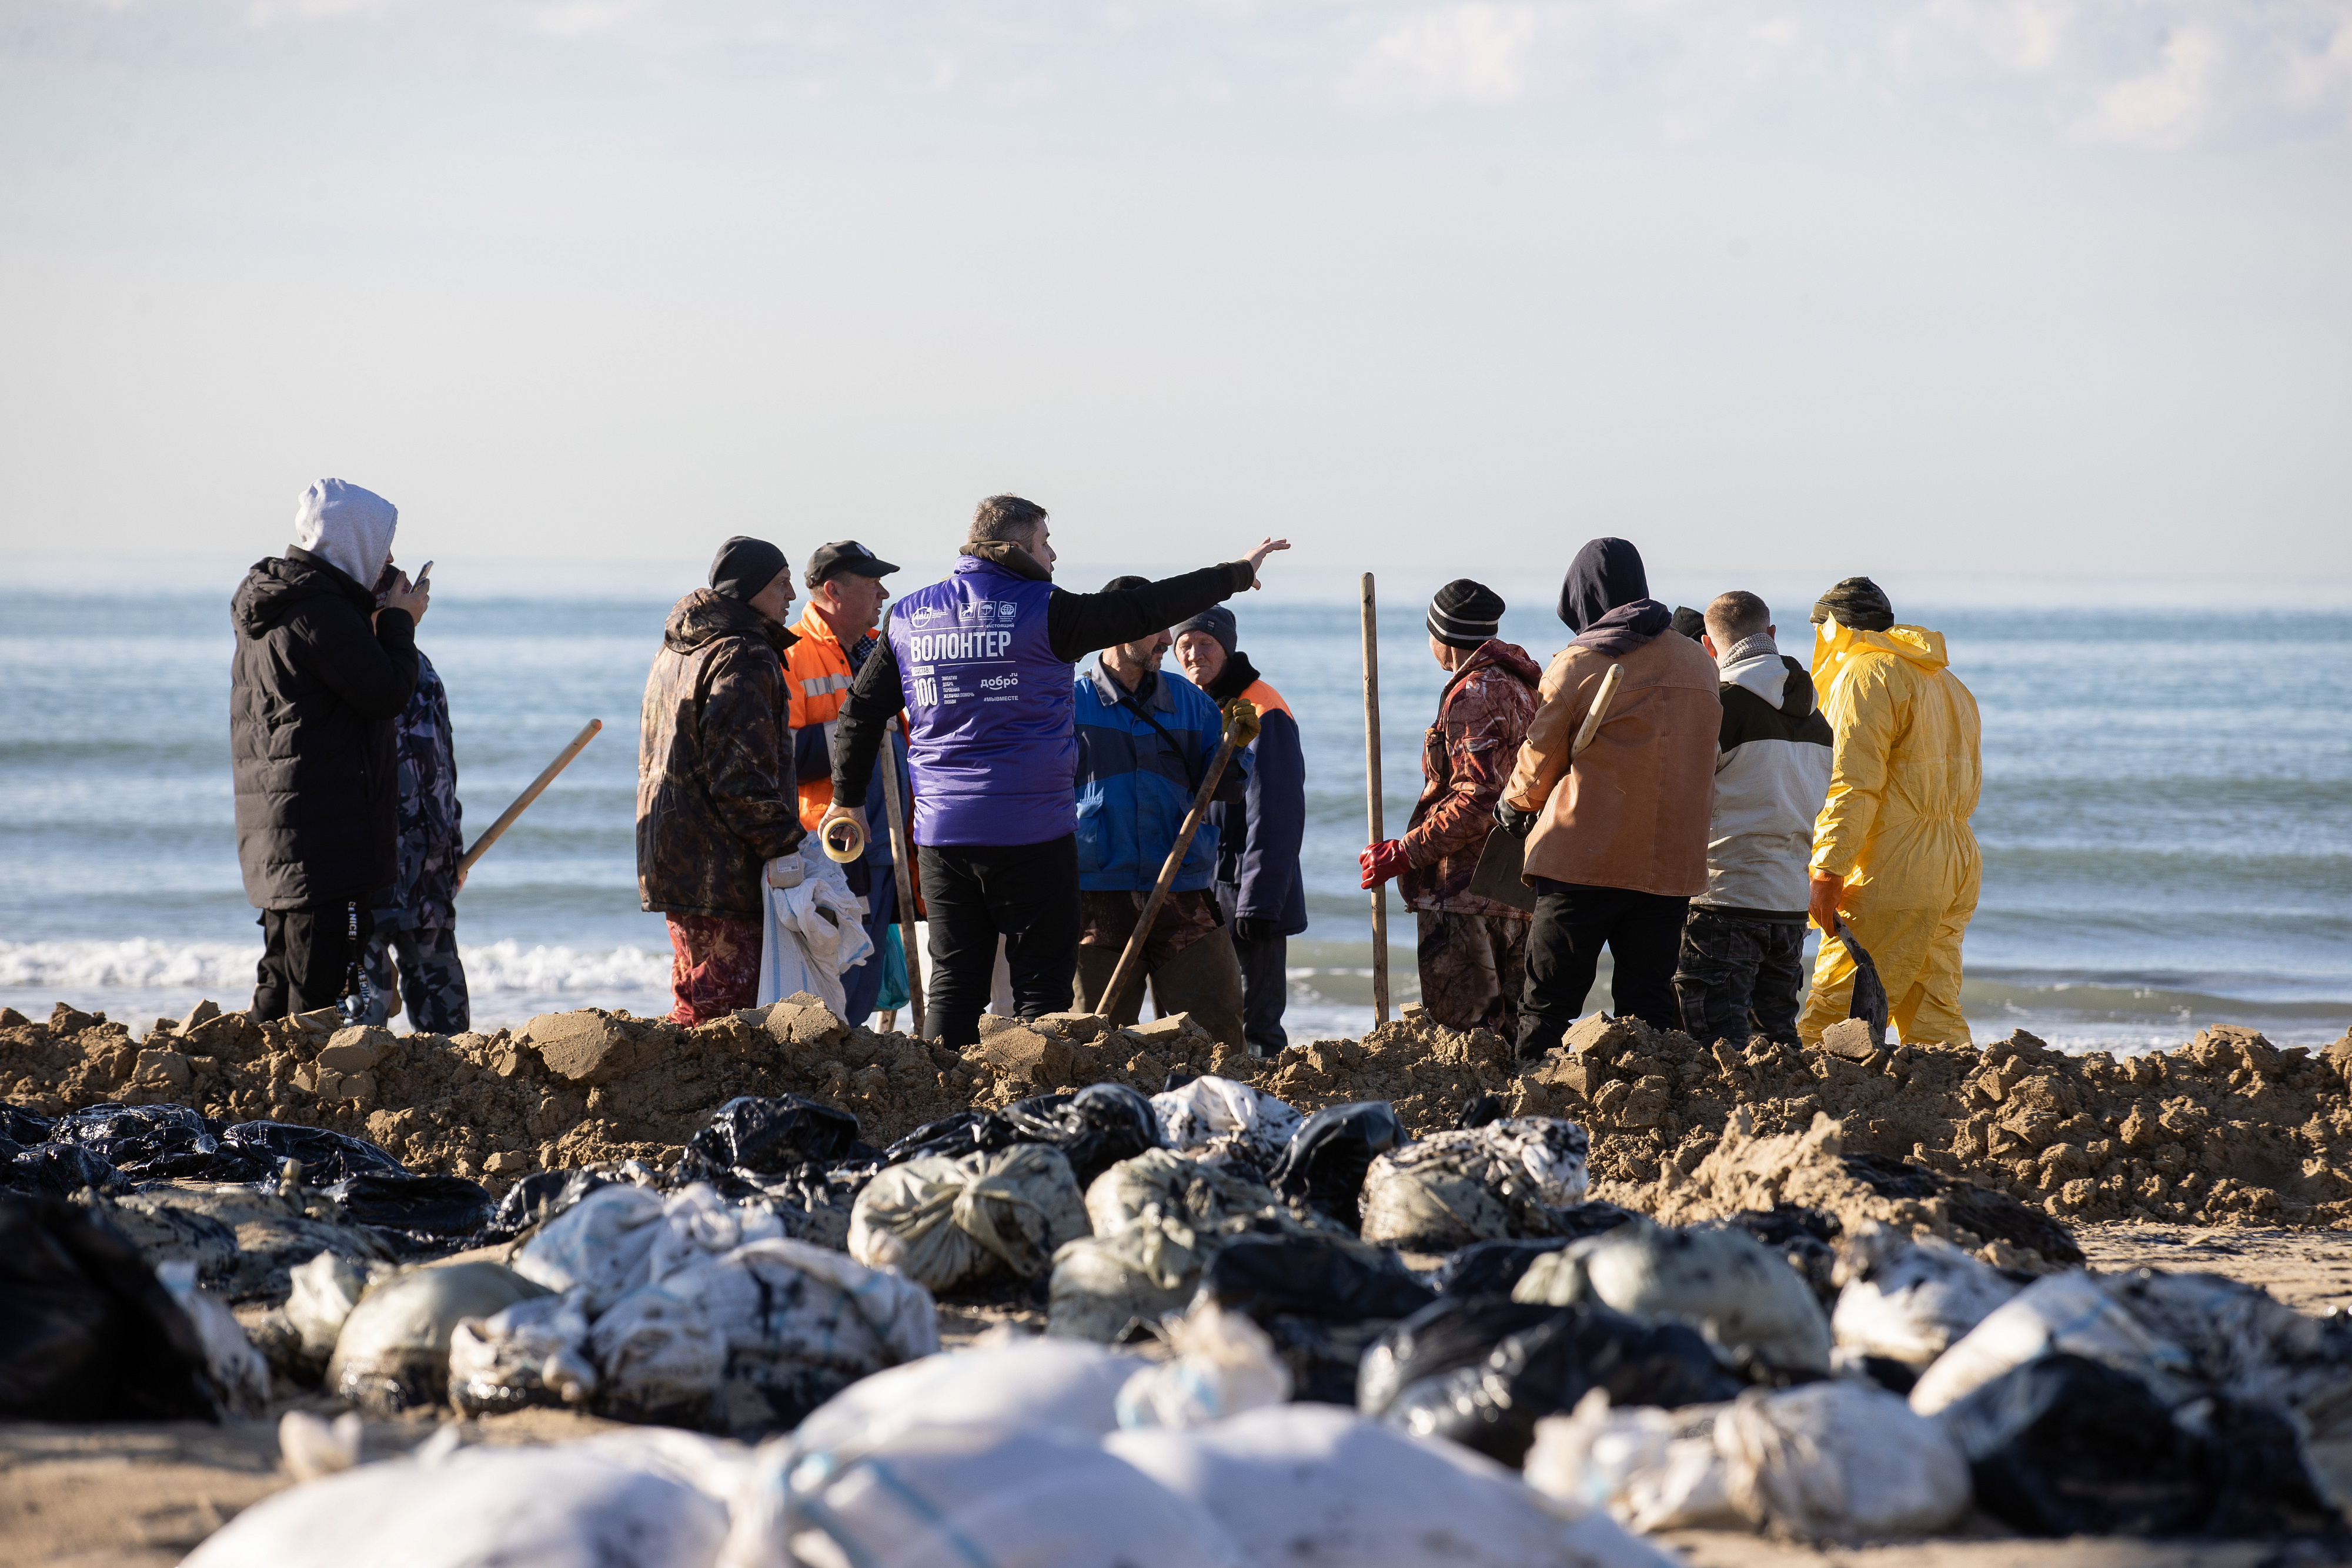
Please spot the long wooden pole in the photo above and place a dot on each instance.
(522, 802)
(902, 867)
(1130, 958)
(1372, 799)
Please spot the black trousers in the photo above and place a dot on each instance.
(1741, 973)
(307, 957)
(1026, 893)
(1572, 924)
(1266, 991)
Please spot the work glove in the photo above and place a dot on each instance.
(1517, 823)
(785, 871)
(1383, 861)
(1242, 720)
(1252, 928)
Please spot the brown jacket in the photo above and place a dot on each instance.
(715, 794)
(1632, 813)
(1466, 759)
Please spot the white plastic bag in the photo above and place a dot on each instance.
(1739, 1293)
(985, 1497)
(812, 933)
(580, 1505)
(1224, 1365)
(619, 1239)
(1476, 1184)
(1910, 1300)
(1839, 1461)
(1299, 1483)
(2065, 1312)
(1033, 1385)
(533, 1353)
(658, 1357)
(393, 1353)
(1221, 1122)
(1652, 1469)
(240, 1374)
(325, 1290)
(953, 1221)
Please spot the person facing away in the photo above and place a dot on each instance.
(836, 634)
(1145, 742)
(716, 802)
(1472, 950)
(1892, 852)
(319, 675)
(1259, 886)
(982, 665)
(416, 917)
(1616, 844)
(1742, 964)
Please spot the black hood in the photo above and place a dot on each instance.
(1605, 574)
(277, 583)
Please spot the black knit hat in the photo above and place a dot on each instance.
(744, 566)
(1858, 602)
(1689, 622)
(1218, 623)
(1464, 614)
(1121, 584)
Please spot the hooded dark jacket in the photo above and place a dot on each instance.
(313, 691)
(715, 794)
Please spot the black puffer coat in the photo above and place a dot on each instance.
(312, 695)
(716, 793)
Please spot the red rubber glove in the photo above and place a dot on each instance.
(1383, 861)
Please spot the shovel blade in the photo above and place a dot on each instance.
(1500, 867)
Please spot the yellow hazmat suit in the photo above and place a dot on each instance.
(1904, 782)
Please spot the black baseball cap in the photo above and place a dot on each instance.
(845, 555)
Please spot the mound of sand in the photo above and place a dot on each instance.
(2226, 1130)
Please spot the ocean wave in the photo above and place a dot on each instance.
(227, 968)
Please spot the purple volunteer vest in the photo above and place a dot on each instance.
(992, 744)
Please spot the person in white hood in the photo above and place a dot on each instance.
(1741, 966)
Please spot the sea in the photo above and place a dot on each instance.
(2166, 815)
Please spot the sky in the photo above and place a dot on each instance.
(2047, 287)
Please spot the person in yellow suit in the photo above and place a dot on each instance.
(1892, 852)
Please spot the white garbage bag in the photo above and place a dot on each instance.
(1036, 1385)
(1221, 1122)
(812, 933)
(1652, 1469)
(393, 1353)
(989, 1496)
(1839, 1460)
(1318, 1483)
(2067, 1312)
(1910, 1300)
(619, 1239)
(1475, 1183)
(1742, 1295)
(658, 1357)
(1224, 1365)
(240, 1374)
(579, 1505)
(953, 1221)
(533, 1353)
(325, 1290)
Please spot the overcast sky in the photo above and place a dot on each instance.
(1943, 285)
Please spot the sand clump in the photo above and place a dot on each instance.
(2225, 1130)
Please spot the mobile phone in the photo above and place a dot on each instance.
(423, 575)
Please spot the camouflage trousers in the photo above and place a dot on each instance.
(1471, 969)
(431, 979)
(714, 967)
(1739, 975)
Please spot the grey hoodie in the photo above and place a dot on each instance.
(1772, 775)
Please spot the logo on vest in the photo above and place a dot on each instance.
(926, 614)
(998, 683)
(989, 613)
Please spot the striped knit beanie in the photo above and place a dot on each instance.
(1464, 614)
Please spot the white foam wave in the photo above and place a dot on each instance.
(142, 965)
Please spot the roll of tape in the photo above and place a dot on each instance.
(843, 839)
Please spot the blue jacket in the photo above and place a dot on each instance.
(1134, 787)
(1258, 842)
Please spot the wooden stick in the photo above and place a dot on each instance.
(522, 802)
(902, 868)
(1130, 958)
(1597, 712)
(1372, 801)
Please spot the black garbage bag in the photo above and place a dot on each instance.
(327, 1157)
(538, 1198)
(1993, 1215)
(87, 1331)
(20, 1125)
(1482, 1108)
(1322, 1300)
(2067, 1445)
(964, 1133)
(418, 1215)
(1452, 1332)
(58, 1170)
(1094, 1128)
(1324, 1164)
(1492, 1268)
(1801, 1235)
(1869, 1003)
(773, 1132)
(153, 1143)
(1493, 1406)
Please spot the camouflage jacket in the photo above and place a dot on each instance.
(716, 796)
(432, 841)
(1466, 759)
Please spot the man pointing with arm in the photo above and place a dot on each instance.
(984, 663)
